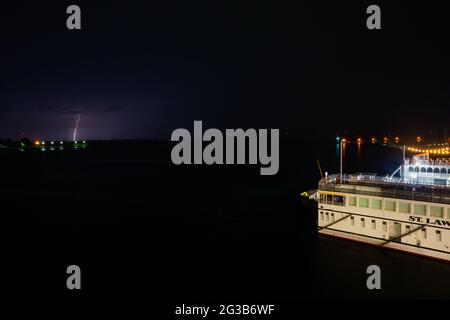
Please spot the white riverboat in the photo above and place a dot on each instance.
(410, 213)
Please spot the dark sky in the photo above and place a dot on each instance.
(143, 69)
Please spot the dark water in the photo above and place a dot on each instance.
(139, 226)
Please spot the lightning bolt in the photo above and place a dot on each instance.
(76, 127)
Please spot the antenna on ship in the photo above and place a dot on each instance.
(340, 149)
(320, 169)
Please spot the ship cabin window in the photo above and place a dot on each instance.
(423, 169)
(329, 199)
(438, 235)
(332, 217)
(363, 223)
(374, 225)
(436, 170)
(338, 200)
(327, 216)
(443, 171)
(352, 221)
(323, 198)
(420, 209)
(351, 201)
(437, 212)
(389, 205)
(407, 228)
(321, 215)
(430, 170)
(404, 207)
(375, 204)
(384, 226)
(363, 202)
(411, 169)
(416, 169)
(423, 233)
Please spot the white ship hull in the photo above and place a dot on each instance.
(360, 212)
(391, 245)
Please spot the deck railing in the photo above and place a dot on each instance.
(388, 187)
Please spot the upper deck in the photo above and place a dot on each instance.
(389, 187)
(422, 169)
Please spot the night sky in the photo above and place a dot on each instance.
(143, 69)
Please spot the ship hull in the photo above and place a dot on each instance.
(381, 243)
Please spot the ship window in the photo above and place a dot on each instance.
(323, 198)
(423, 169)
(375, 204)
(436, 170)
(407, 227)
(438, 235)
(424, 233)
(352, 201)
(332, 217)
(444, 171)
(338, 200)
(448, 213)
(352, 221)
(363, 223)
(329, 199)
(411, 169)
(416, 169)
(430, 170)
(437, 212)
(420, 209)
(327, 217)
(384, 226)
(321, 215)
(374, 225)
(363, 202)
(389, 205)
(404, 207)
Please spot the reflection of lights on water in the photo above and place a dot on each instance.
(42, 149)
(61, 142)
